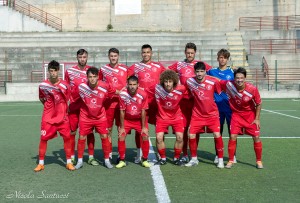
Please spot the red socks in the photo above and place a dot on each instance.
(162, 153)
(67, 147)
(91, 143)
(42, 149)
(219, 146)
(177, 153)
(258, 150)
(231, 149)
(145, 149)
(72, 143)
(122, 149)
(106, 147)
(80, 148)
(193, 147)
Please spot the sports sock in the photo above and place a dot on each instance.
(41, 162)
(105, 147)
(258, 150)
(72, 143)
(80, 148)
(42, 149)
(145, 149)
(219, 146)
(91, 143)
(162, 153)
(69, 161)
(231, 149)
(67, 147)
(122, 149)
(185, 142)
(80, 160)
(177, 153)
(193, 147)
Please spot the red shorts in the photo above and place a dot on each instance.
(198, 125)
(49, 131)
(111, 115)
(87, 126)
(243, 123)
(162, 126)
(151, 113)
(186, 106)
(133, 125)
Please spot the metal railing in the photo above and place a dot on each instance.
(5, 76)
(270, 23)
(37, 14)
(275, 45)
(3, 2)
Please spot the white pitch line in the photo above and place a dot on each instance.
(246, 137)
(281, 114)
(160, 188)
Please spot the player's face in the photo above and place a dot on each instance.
(92, 79)
(190, 55)
(146, 55)
(113, 58)
(82, 60)
(240, 80)
(222, 61)
(168, 84)
(132, 87)
(53, 74)
(200, 74)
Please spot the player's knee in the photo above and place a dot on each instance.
(256, 139)
(82, 137)
(145, 138)
(192, 136)
(103, 136)
(159, 140)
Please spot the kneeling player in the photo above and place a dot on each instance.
(168, 95)
(54, 94)
(205, 112)
(133, 105)
(92, 114)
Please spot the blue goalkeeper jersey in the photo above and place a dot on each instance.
(222, 99)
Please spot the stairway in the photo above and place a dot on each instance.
(237, 49)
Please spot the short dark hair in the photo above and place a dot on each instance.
(53, 65)
(190, 45)
(240, 70)
(169, 75)
(224, 52)
(145, 46)
(199, 66)
(132, 78)
(81, 52)
(113, 50)
(93, 70)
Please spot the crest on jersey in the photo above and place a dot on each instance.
(246, 98)
(147, 75)
(169, 104)
(208, 87)
(228, 77)
(154, 69)
(115, 80)
(133, 108)
(56, 97)
(188, 71)
(94, 101)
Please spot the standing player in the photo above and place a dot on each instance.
(148, 73)
(168, 94)
(205, 112)
(115, 74)
(185, 70)
(223, 72)
(245, 103)
(75, 76)
(54, 94)
(92, 114)
(133, 106)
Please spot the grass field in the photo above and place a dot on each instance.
(279, 181)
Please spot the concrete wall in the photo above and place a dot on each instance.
(29, 92)
(164, 15)
(12, 21)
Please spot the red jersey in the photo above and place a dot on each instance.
(116, 77)
(148, 75)
(203, 93)
(241, 101)
(93, 100)
(186, 70)
(133, 104)
(75, 76)
(168, 102)
(56, 99)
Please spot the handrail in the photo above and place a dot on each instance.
(4, 2)
(270, 23)
(37, 14)
(265, 69)
(275, 45)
